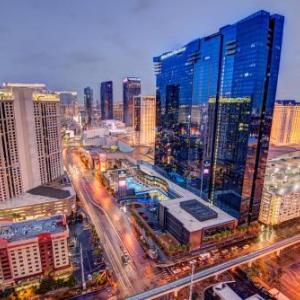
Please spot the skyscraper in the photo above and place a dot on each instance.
(30, 149)
(69, 105)
(215, 99)
(131, 88)
(286, 123)
(106, 94)
(144, 119)
(88, 104)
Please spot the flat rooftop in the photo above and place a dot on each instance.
(193, 222)
(198, 210)
(48, 191)
(39, 195)
(29, 229)
(190, 222)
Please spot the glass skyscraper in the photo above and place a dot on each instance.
(131, 88)
(215, 99)
(106, 98)
(88, 104)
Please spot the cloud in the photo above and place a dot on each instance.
(84, 57)
(142, 6)
(35, 58)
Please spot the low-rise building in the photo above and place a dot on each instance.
(42, 201)
(187, 217)
(281, 194)
(190, 220)
(33, 248)
(241, 290)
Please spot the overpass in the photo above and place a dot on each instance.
(177, 285)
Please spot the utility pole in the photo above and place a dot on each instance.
(192, 281)
(82, 269)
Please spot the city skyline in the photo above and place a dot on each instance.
(101, 49)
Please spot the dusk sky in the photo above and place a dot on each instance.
(70, 44)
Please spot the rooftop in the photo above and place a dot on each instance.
(241, 290)
(190, 222)
(38, 195)
(29, 229)
(198, 210)
(48, 191)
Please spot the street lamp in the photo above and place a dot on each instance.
(82, 269)
(192, 279)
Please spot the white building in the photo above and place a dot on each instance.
(30, 149)
(106, 134)
(281, 195)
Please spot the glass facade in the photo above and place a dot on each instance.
(106, 97)
(131, 88)
(215, 99)
(88, 104)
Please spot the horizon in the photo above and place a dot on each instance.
(90, 48)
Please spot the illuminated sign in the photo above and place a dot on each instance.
(122, 183)
(169, 54)
(6, 95)
(49, 97)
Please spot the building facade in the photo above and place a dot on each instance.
(144, 116)
(106, 98)
(118, 111)
(30, 149)
(131, 88)
(286, 123)
(69, 105)
(215, 99)
(88, 104)
(281, 194)
(33, 248)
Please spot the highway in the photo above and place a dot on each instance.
(113, 228)
(215, 270)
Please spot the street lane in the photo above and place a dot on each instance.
(113, 228)
(185, 281)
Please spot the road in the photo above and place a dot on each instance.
(220, 268)
(113, 228)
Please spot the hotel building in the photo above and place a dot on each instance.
(214, 102)
(286, 123)
(118, 111)
(30, 149)
(33, 248)
(106, 99)
(281, 194)
(131, 88)
(88, 104)
(144, 115)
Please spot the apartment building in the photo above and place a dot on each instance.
(33, 248)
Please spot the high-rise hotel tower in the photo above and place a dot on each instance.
(131, 88)
(214, 102)
(30, 149)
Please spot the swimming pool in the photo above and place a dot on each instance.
(133, 184)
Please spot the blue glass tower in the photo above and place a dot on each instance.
(106, 98)
(215, 98)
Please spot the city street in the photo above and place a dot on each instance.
(112, 226)
(118, 236)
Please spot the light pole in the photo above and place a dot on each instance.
(82, 270)
(192, 281)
